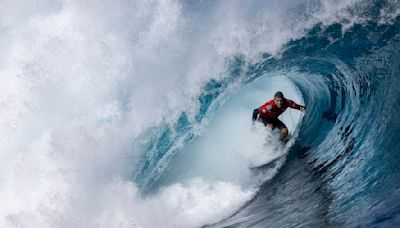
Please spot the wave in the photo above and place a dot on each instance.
(125, 114)
(347, 142)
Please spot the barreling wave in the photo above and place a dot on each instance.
(344, 166)
(137, 113)
(348, 75)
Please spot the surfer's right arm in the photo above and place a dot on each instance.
(255, 115)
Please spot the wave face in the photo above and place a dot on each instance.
(137, 114)
(344, 169)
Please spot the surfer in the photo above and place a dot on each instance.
(268, 113)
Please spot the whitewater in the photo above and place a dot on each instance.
(138, 113)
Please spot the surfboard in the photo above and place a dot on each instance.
(268, 165)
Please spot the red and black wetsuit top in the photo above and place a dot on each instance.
(269, 110)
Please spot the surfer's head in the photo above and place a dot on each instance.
(278, 99)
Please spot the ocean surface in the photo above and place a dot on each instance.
(138, 113)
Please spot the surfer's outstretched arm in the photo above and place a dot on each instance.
(294, 105)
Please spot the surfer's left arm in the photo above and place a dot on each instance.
(294, 105)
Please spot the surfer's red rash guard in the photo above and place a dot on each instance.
(270, 110)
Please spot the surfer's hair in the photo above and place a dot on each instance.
(279, 94)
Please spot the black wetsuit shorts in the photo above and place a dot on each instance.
(274, 121)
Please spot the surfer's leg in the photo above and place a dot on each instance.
(284, 134)
(268, 125)
(284, 130)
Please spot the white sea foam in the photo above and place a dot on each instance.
(179, 205)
